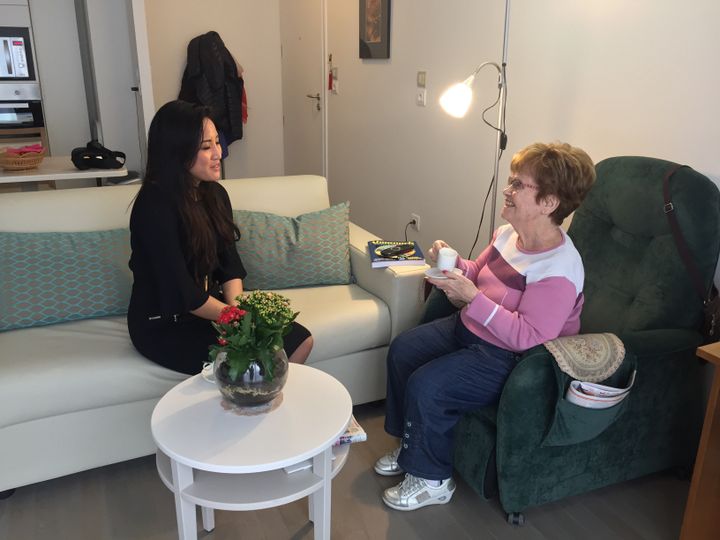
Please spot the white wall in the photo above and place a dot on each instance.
(61, 77)
(60, 72)
(110, 29)
(611, 76)
(251, 32)
(390, 157)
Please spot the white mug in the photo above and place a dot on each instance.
(446, 259)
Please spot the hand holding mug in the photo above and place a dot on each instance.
(446, 259)
(436, 247)
(458, 289)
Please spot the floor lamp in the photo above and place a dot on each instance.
(456, 101)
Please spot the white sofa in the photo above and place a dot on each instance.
(76, 395)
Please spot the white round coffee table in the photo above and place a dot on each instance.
(216, 458)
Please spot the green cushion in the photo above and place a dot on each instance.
(634, 278)
(280, 252)
(47, 278)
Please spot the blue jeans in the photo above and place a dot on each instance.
(436, 372)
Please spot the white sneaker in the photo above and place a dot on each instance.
(413, 493)
(388, 465)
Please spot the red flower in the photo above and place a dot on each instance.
(230, 314)
(222, 341)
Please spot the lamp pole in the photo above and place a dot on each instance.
(501, 138)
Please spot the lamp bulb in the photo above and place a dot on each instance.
(456, 100)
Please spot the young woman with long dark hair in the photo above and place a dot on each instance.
(184, 262)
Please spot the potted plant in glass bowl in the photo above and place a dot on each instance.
(250, 364)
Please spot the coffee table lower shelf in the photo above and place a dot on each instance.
(252, 491)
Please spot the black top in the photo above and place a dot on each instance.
(163, 282)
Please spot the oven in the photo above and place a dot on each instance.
(21, 115)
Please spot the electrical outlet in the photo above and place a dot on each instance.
(416, 225)
(421, 97)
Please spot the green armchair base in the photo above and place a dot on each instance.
(658, 430)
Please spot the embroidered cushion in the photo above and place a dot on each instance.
(47, 278)
(280, 252)
(588, 357)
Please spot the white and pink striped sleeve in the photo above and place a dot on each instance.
(547, 308)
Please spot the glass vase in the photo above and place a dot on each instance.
(252, 388)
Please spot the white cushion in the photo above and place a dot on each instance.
(98, 209)
(343, 319)
(52, 370)
(81, 365)
(283, 195)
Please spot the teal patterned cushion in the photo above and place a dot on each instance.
(47, 278)
(280, 252)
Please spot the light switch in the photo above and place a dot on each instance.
(421, 77)
(421, 97)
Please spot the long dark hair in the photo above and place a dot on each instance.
(174, 139)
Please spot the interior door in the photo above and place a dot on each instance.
(304, 85)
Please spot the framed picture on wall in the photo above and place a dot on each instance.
(374, 28)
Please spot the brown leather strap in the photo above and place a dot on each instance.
(682, 247)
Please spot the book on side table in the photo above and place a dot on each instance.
(389, 253)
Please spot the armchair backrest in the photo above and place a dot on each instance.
(634, 276)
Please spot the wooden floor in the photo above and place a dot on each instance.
(128, 501)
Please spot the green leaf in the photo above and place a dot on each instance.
(234, 371)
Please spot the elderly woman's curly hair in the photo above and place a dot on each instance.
(558, 169)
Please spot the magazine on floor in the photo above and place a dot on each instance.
(354, 433)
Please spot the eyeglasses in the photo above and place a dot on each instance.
(515, 185)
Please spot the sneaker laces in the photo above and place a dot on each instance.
(410, 485)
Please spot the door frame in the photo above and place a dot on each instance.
(141, 58)
(324, 86)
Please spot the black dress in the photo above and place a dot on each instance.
(164, 292)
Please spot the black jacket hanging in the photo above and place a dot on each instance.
(211, 78)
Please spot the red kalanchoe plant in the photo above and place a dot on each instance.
(231, 314)
(252, 331)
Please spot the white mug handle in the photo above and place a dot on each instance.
(207, 372)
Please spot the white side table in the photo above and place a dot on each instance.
(215, 458)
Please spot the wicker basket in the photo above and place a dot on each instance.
(11, 162)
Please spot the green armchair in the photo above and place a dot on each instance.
(637, 287)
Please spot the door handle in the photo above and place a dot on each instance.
(316, 96)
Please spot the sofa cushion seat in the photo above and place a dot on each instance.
(74, 366)
(88, 364)
(343, 319)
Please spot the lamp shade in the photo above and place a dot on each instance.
(456, 100)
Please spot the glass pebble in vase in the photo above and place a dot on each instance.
(252, 388)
